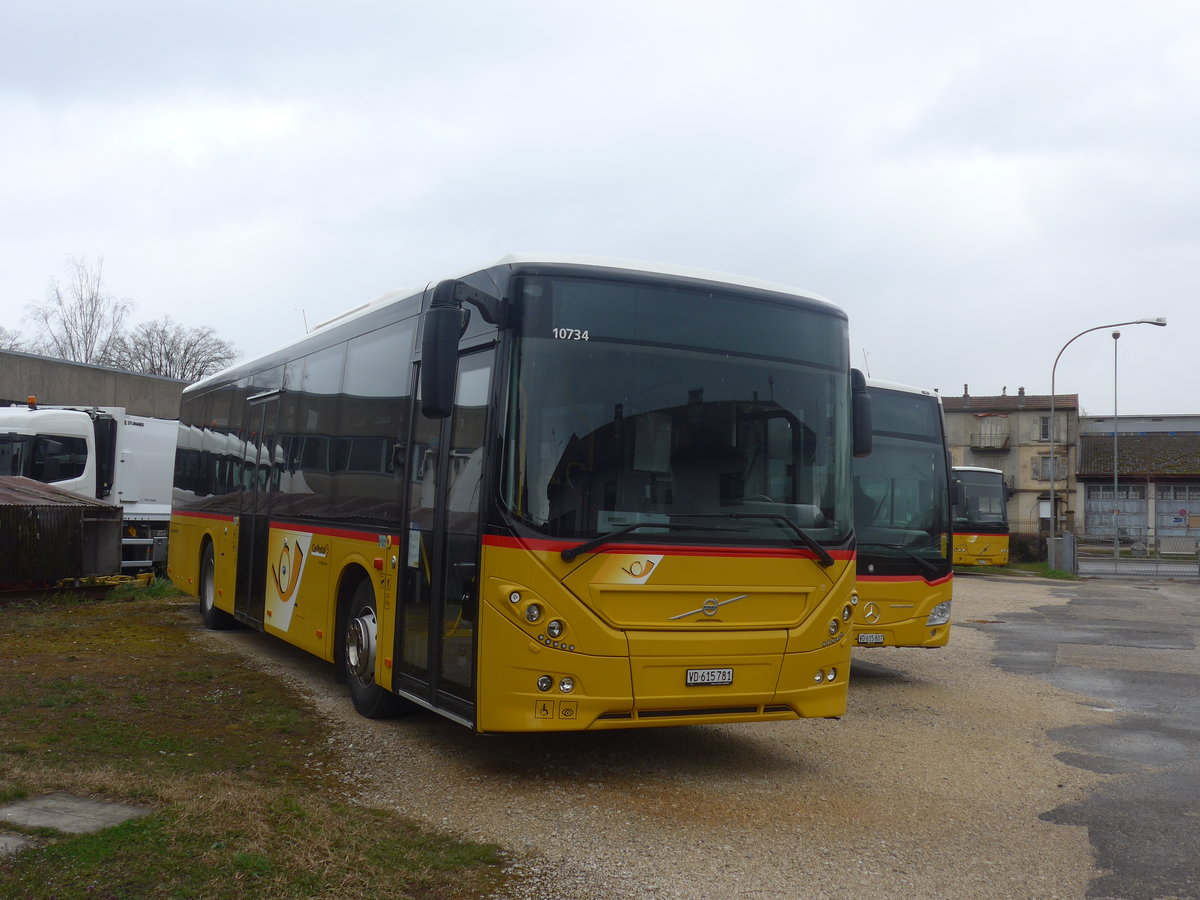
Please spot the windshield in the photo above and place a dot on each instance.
(901, 491)
(646, 403)
(43, 457)
(983, 497)
(14, 453)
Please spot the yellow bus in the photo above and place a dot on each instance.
(902, 522)
(980, 517)
(622, 498)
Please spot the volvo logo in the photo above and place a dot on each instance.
(871, 612)
(710, 607)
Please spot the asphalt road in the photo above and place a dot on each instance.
(1129, 646)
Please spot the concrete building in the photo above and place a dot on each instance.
(1012, 433)
(59, 382)
(1155, 499)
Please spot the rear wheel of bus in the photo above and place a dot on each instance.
(213, 618)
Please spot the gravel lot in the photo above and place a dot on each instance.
(931, 786)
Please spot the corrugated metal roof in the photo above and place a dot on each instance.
(1155, 454)
(16, 490)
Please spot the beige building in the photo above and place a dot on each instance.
(1012, 433)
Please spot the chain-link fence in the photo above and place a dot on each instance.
(1132, 553)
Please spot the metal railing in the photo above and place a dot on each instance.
(1136, 553)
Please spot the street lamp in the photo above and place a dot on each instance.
(1052, 553)
(1116, 509)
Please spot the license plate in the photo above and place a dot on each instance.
(870, 637)
(709, 676)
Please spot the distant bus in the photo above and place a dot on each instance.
(902, 522)
(980, 517)
(623, 498)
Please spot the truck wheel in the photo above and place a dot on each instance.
(359, 646)
(216, 619)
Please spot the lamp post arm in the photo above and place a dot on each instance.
(1160, 321)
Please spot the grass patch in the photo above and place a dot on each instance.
(1040, 569)
(112, 698)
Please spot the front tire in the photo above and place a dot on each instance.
(359, 647)
(213, 618)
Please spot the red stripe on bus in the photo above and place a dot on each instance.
(336, 532)
(220, 517)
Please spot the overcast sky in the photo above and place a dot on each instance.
(974, 184)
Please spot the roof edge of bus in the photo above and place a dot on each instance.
(904, 388)
(656, 268)
(977, 469)
(349, 315)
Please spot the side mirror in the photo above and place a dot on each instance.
(861, 412)
(439, 360)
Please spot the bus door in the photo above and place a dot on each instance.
(260, 477)
(439, 592)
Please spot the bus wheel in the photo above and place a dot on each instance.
(359, 649)
(216, 619)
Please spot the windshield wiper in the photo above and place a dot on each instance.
(929, 566)
(608, 537)
(807, 539)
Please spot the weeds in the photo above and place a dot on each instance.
(111, 698)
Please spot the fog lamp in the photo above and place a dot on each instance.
(819, 677)
(566, 684)
(831, 675)
(545, 683)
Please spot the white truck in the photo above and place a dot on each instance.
(103, 453)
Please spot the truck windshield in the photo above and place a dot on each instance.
(43, 457)
(636, 402)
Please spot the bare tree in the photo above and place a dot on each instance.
(163, 347)
(77, 320)
(11, 340)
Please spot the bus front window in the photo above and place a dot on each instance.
(632, 404)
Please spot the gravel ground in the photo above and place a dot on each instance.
(931, 786)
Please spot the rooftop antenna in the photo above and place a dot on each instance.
(866, 363)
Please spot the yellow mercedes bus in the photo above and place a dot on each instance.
(902, 522)
(980, 517)
(554, 494)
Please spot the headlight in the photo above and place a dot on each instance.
(847, 612)
(831, 675)
(554, 628)
(533, 612)
(940, 614)
(834, 625)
